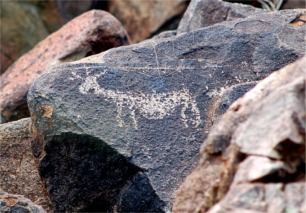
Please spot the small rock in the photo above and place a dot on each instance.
(88, 34)
(204, 13)
(17, 203)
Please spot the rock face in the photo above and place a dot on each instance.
(142, 18)
(254, 159)
(204, 13)
(88, 34)
(18, 167)
(18, 203)
(148, 104)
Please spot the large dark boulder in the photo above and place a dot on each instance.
(148, 105)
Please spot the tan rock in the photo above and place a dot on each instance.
(259, 147)
(88, 34)
(142, 18)
(18, 167)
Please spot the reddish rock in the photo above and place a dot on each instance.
(18, 167)
(143, 18)
(88, 34)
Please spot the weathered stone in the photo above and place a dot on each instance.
(21, 29)
(259, 147)
(90, 33)
(204, 13)
(143, 18)
(18, 167)
(149, 102)
(17, 203)
(226, 98)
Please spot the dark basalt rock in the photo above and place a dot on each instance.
(204, 13)
(226, 98)
(149, 103)
(84, 174)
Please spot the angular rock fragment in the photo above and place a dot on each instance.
(258, 150)
(18, 167)
(149, 102)
(204, 13)
(88, 34)
(17, 203)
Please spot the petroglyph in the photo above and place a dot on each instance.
(151, 106)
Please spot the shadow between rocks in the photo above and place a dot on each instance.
(84, 174)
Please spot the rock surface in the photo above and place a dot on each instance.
(90, 33)
(149, 102)
(17, 203)
(142, 18)
(18, 19)
(256, 154)
(204, 13)
(226, 98)
(18, 167)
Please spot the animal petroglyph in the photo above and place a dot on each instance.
(151, 106)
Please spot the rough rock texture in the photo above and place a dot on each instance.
(149, 102)
(226, 98)
(90, 33)
(254, 159)
(204, 13)
(142, 18)
(18, 167)
(12, 203)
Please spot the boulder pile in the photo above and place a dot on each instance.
(103, 125)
